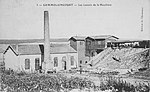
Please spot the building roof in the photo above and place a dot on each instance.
(61, 48)
(128, 41)
(39, 49)
(29, 49)
(103, 37)
(78, 38)
(16, 41)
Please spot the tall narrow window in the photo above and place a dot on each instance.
(27, 63)
(64, 63)
(72, 60)
(37, 63)
(55, 61)
(80, 61)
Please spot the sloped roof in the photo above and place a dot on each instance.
(103, 37)
(39, 49)
(29, 49)
(78, 38)
(61, 48)
(17, 41)
(11, 49)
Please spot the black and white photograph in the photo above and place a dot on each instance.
(74, 45)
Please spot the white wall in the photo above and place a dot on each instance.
(60, 67)
(68, 64)
(1, 57)
(18, 62)
(32, 62)
(75, 61)
(11, 60)
(81, 51)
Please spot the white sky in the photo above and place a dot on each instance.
(22, 19)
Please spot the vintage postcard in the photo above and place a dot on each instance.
(74, 45)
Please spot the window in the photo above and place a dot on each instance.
(55, 61)
(37, 63)
(27, 63)
(72, 60)
(80, 61)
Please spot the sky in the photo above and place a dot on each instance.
(24, 19)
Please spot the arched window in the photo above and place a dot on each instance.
(37, 63)
(64, 58)
(27, 63)
(55, 61)
(72, 60)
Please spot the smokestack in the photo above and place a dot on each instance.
(46, 63)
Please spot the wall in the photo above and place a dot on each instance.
(80, 47)
(81, 52)
(73, 44)
(100, 44)
(94, 47)
(32, 62)
(1, 57)
(110, 39)
(2, 64)
(75, 61)
(68, 62)
(11, 60)
(90, 47)
(17, 63)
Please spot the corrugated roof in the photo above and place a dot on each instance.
(103, 37)
(39, 49)
(16, 41)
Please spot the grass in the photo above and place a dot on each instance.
(23, 82)
(35, 82)
(123, 86)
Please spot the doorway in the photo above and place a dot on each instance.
(64, 65)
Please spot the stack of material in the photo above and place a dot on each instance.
(125, 58)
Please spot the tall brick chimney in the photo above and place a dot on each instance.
(46, 63)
